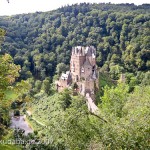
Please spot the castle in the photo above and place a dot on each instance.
(83, 71)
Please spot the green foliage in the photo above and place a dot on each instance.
(65, 99)
(104, 80)
(65, 128)
(126, 124)
(8, 89)
(41, 42)
(127, 116)
(114, 99)
(2, 34)
(146, 79)
(38, 85)
(8, 73)
(61, 67)
(9, 147)
(9, 94)
(46, 86)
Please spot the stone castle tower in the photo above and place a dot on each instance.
(83, 71)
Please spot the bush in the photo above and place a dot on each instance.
(16, 113)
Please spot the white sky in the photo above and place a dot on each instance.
(27, 6)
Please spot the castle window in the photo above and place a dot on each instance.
(93, 68)
(73, 67)
(82, 69)
(77, 79)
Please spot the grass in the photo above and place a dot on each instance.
(9, 147)
(45, 111)
(10, 95)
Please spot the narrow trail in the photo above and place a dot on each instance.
(38, 122)
(91, 105)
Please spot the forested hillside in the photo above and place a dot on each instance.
(63, 121)
(40, 46)
(42, 40)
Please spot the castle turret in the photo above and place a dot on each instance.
(76, 62)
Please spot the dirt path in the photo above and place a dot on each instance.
(38, 122)
(91, 105)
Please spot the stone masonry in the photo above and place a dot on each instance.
(83, 71)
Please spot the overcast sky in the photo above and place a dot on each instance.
(27, 6)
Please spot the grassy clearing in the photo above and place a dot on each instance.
(10, 95)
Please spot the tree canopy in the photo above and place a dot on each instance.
(43, 40)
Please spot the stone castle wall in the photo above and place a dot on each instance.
(83, 71)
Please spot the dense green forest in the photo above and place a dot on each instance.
(40, 41)
(36, 48)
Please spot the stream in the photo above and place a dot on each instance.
(20, 122)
